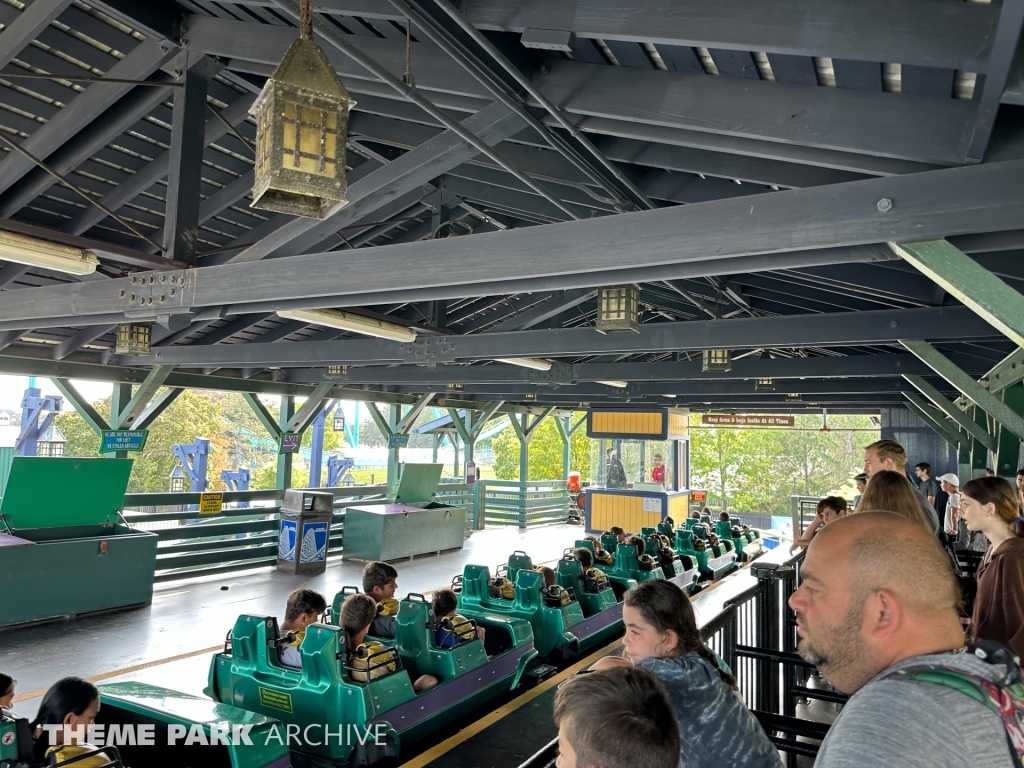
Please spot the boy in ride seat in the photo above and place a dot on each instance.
(357, 614)
(602, 556)
(452, 629)
(303, 608)
(380, 581)
(592, 577)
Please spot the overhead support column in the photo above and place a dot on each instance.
(563, 427)
(1007, 452)
(184, 182)
(127, 415)
(979, 452)
(84, 408)
(977, 431)
(316, 453)
(119, 400)
(961, 276)
(933, 419)
(971, 389)
(285, 460)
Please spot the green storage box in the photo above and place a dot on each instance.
(65, 548)
(412, 525)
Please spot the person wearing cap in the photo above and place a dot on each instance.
(888, 454)
(989, 505)
(951, 485)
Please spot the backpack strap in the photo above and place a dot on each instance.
(1006, 701)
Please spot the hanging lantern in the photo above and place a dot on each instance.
(133, 339)
(301, 128)
(793, 397)
(618, 309)
(530, 396)
(764, 385)
(337, 372)
(339, 421)
(454, 387)
(179, 480)
(717, 360)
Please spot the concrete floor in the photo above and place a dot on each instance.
(190, 618)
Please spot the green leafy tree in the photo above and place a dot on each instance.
(545, 453)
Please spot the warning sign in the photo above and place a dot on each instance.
(276, 699)
(698, 497)
(211, 503)
(737, 420)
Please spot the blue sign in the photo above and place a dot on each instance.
(286, 541)
(290, 442)
(314, 543)
(123, 440)
(398, 441)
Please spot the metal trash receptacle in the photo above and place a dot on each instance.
(305, 531)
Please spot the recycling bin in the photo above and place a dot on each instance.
(305, 531)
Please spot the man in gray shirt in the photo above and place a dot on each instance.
(888, 454)
(877, 596)
(928, 487)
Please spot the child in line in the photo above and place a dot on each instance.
(7, 686)
(303, 608)
(715, 727)
(452, 628)
(71, 702)
(380, 580)
(618, 717)
(828, 509)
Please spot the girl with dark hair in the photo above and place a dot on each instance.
(715, 727)
(7, 685)
(74, 703)
(989, 505)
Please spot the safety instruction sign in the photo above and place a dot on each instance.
(747, 420)
(652, 505)
(398, 441)
(123, 440)
(275, 699)
(211, 503)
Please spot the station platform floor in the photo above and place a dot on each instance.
(169, 642)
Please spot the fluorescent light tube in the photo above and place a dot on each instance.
(617, 384)
(346, 321)
(536, 363)
(41, 253)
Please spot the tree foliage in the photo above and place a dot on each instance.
(753, 470)
(545, 453)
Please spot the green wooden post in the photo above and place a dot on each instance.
(119, 400)
(394, 417)
(566, 437)
(284, 460)
(1007, 455)
(933, 419)
(479, 504)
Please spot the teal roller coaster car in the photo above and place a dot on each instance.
(380, 700)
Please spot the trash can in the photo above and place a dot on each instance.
(305, 531)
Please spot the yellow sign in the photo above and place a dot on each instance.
(275, 699)
(211, 503)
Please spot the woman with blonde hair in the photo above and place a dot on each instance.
(890, 491)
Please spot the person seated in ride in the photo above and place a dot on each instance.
(671, 523)
(614, 718)
(303, 608)
(69, 707)
(601, 555)
(452, 628)
(658, 470)
(715, 727)
(7, 686)
(618, 533)
(592, 577)
(380, 581)
(724, 516)
(500, 588)
(369, 659)
(548, 574)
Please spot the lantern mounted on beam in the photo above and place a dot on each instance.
(717, 360)
(618, 309)
(133, 339)
(764, 385)
(301, 129)
(337, 372)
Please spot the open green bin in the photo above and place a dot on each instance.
(65, 550)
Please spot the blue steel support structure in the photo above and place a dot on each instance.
(337, 467)
(237, 480)
(194, 459)
(33, 406)
(316, 451)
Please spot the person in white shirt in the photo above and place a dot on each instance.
(951, 485)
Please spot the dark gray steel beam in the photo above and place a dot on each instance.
(910, 31)
(149, 175)
(840, 329)
(83, 337)
(1004, 48)
(24, 29)
(558, 303)
(143, 61)
(229, 329)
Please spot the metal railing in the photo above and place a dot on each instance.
(523, 504)
(239, 538)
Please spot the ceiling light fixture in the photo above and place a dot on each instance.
(616, 383)
(534, 363)
(346, 321)
(41, 253)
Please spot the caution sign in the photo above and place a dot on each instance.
(276, 699)
(211, 503)
(699, 496)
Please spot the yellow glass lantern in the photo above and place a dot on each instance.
(133, 339)
(618, 309)
(717, 360)
(764, 385)
(302, 124)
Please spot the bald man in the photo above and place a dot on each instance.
(877, 595)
